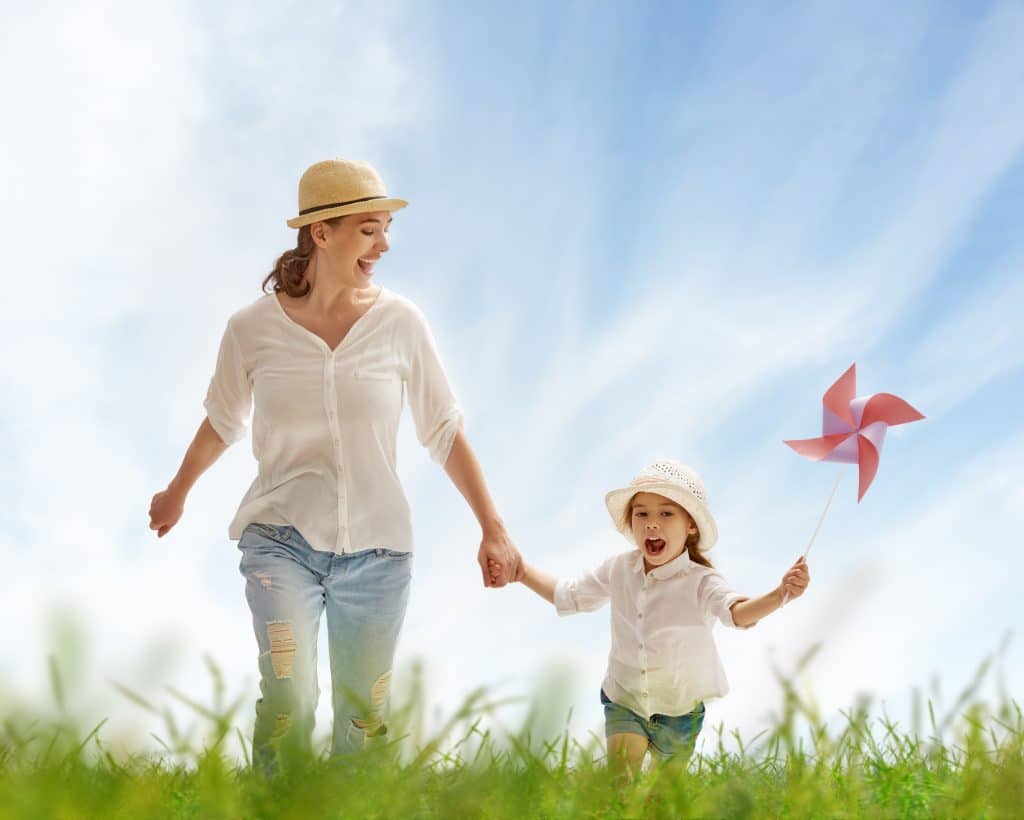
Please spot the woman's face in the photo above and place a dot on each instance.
(354, 245)
(660, 528)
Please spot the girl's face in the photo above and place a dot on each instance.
(354, 245)
(660, 528)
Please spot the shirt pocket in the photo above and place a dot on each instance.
(367, 374)
(374, 394)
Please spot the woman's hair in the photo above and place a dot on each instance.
(690, 547)
(289, 273)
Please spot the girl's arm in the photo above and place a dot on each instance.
(584, 594)
(540, 582)
(748, 612)
(167, 506)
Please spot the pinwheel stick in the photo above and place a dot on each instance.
(817, 529)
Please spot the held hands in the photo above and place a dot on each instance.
(500, 561)
(795, 581)
(493, 572)
(164, 511)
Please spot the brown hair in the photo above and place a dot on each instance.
(289, 273)
(690, 547)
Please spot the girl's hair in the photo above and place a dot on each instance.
(690, 547)
(289, 273)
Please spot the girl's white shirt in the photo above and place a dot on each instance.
(325, 422)
(663, 659)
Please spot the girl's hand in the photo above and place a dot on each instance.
(494, 571)
(796, 579)
(164, 511)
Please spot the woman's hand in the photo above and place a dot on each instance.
(796, 579)
(500, 561)
(165, 509)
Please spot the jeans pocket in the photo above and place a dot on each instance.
(394, 555)
(266, 530)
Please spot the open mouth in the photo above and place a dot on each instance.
(654, 546)
(366, 265)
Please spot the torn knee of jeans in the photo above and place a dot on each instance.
(375, 727)
(379, 692)
(264, 579)
(282, 648)
(281, 724)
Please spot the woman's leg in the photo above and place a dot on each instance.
(367, 593)
(626, 753)
(286, 598)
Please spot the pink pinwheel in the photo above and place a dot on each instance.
(853, 429)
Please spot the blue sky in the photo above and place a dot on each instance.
(636, 229)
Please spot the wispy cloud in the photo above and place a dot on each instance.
(601, 293)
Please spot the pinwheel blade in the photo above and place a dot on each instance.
(868, 464)
(838, 397)
(817, 449)
(890, 409)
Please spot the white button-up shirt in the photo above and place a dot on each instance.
(663, 658)
(325, 422)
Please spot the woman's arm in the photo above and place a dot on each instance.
(752, 610)
(464, 471)
(167, 506)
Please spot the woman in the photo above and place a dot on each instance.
(328, 358)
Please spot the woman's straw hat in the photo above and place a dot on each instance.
(676, 482)
(336, 187)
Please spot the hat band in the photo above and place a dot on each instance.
(338, 204)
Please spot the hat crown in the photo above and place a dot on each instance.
(673, 472)
(338, 180)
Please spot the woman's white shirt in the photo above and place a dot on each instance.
(325, 422)
(663, 658)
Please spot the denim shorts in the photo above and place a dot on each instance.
(668, 735)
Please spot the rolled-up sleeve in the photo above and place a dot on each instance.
(229, 398)
(584, 594)
(435, 410)
(716, 598)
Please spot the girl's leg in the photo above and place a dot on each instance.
(286, 598)
(626, 753)
(367, 593)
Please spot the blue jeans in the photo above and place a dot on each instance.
(669, 735)
(288, 586)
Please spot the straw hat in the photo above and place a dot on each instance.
(336, 187)
(676, 482)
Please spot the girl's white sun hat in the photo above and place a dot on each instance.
(337, 187)
(674, 481)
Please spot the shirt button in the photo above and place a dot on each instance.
(641, 646)
(643, 671)
(639, 614)
(645, 694)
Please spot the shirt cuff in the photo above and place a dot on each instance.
(439, 443)
(229, 433)
(565, 597)
(726, 617)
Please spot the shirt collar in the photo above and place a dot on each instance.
(679, 565)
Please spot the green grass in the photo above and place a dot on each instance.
(970, 763)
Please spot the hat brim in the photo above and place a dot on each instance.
(617, 500)
(389, 204)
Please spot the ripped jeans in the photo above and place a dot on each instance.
(288, 585)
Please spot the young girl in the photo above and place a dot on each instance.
(665, 597)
